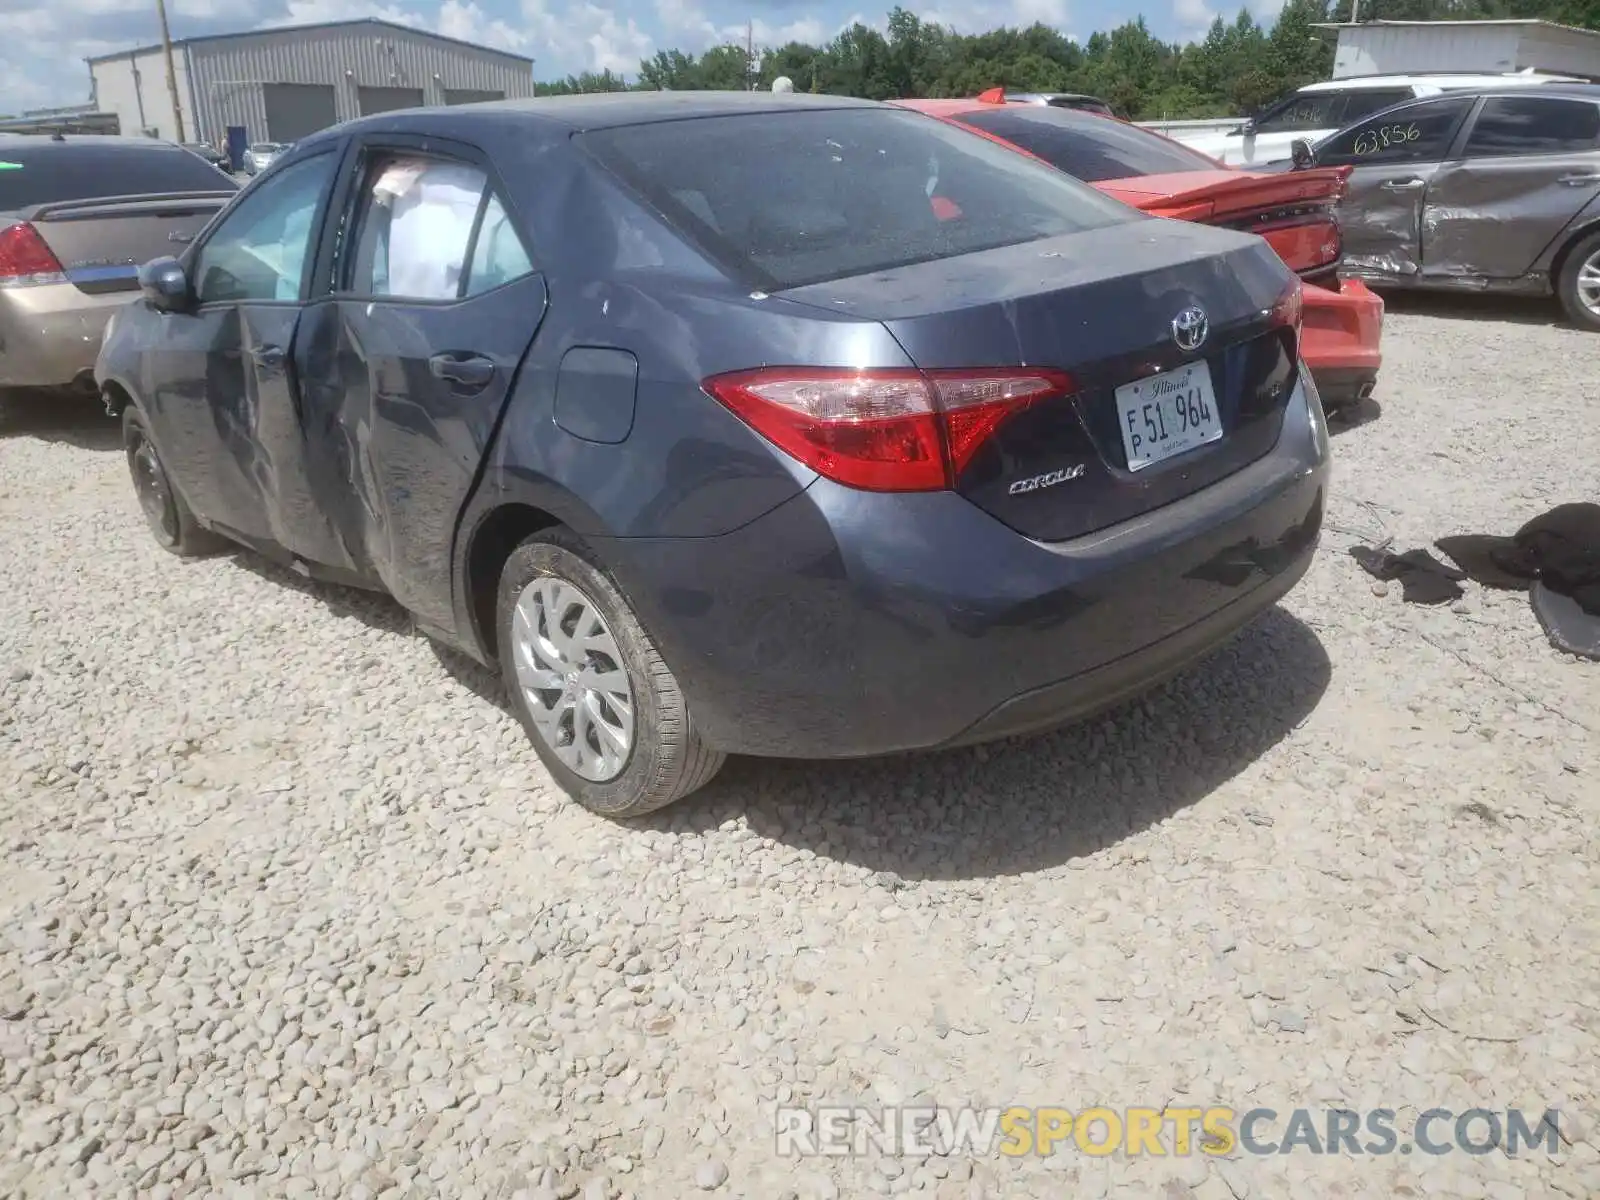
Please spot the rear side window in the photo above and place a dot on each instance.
(792, 198)
(1088, 148)
(48, 172)
(430, 229)
(1512, 125)
(499, 256)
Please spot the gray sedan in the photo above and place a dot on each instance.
(259, 157)
(1486, 189)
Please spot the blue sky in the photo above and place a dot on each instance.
(43, 42)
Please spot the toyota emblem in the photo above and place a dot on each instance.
(1189, 329)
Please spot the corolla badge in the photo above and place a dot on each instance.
(1189, 329)
(1048, 479)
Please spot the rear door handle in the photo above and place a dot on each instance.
(1402, 185)
(1580, 180)
(268, 358)
(472, 371)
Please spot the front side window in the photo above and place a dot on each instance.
(260, 249)
(783, 199)
(1514, 125)
(1088, 148)
(1415, 133)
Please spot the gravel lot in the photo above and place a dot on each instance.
(290, 908)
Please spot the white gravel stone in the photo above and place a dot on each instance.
(290, 907)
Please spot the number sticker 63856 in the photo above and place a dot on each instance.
(1381, 137)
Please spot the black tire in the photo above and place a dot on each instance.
(1586, 252)
(667, 759)
(169, 518)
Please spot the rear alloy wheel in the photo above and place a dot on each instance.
(165, 512)
(602, 709)
(1579, 283)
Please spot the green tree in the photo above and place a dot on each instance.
(1296, 54)
(1238, 67)
(670, 70)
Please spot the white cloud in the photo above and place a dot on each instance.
(687, 27)
(583, 37)
(1044, 12)
(1193, 18)
(990, 14)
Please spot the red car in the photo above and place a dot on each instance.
(1292, 210)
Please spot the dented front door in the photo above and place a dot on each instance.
(1381, 219)
(1395, 154)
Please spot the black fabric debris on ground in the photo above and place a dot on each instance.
(1423, 578)
(1555, 556)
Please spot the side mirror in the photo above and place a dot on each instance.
(165, 284)
(1301, 154)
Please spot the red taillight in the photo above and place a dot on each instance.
(995, 95)
(1306, 245)
(25, 259)
(898, 430)
(1289, 311)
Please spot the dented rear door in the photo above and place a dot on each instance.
(1529, 166)
(409, 364)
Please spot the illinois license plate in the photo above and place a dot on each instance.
(1167, 414)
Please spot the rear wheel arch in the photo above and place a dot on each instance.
(115, 396)
(1580, 248)
(1569, 243)
(493, 539)
(603, 710)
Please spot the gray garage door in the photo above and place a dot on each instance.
(382, 99)
(296, 110)
(470, 96)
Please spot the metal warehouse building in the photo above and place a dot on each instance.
(1412, 47)
(281, 84)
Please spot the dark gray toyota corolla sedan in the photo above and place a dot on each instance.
(752, 423)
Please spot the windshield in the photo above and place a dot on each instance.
(1087, 147)
(50, 172)
(786, 199)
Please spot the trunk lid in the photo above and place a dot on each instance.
(1294, 211)
(101, 243)
(1100, 305)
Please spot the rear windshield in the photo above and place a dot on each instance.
(53, 171)
(792, 198)
(1088, 148)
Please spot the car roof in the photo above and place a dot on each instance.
(1574, 91)
(606, 110)
(1452, 80)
